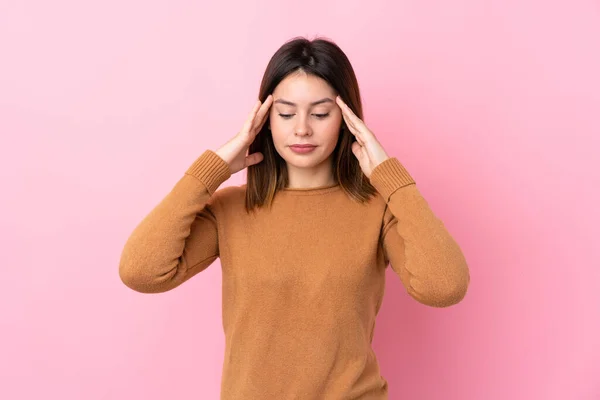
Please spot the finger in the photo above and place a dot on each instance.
(359, 153)
(254, 158)
(250, 120)
(356, 149)
(345, 108)
(354, 124)
(354, 121)
(263, 112)
(354, 131)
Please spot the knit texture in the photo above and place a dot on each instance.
(303, 280)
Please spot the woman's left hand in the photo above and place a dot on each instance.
(367, 148)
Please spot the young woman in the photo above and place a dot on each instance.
(305, 243)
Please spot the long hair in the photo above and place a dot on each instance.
(324, 59)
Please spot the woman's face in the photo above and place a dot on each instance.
(304, 112)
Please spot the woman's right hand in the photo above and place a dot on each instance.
(234, 152)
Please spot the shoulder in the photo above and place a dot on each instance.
(374, 209)
(230, 197)
(375, 204)
(377, 201)
(380, 209)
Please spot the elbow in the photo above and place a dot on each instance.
(131, 277)
(138, 278)
(142, 271)
(455, 292)
(445, 292)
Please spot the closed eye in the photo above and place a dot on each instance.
(288, 116)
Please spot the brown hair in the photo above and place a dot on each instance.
(324, 59)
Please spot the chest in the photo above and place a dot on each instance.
(303, 250)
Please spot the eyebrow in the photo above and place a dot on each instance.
(314, 103)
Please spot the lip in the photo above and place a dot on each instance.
(302, 148)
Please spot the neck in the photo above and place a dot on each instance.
(308, 178)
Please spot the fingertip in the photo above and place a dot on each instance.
(268, 99)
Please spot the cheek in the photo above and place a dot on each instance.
(278, 124)
(278, 136)
(332, 130)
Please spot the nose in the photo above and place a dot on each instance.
(303, 128)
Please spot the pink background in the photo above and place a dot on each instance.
(493, 106)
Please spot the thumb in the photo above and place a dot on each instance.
(362, 156)
(357, 150)
(254, 158)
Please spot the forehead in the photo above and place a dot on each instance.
(302, 88)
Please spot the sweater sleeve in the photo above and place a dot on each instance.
(415, 241)
(179, 237)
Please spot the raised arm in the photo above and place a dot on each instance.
(179, 237)
(416, 243)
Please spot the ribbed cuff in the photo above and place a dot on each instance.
(210, 169)
(390, 176)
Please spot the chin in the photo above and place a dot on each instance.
(304, 160)
(302, 164)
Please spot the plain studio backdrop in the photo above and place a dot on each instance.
(493, 106)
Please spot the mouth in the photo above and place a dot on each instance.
(302, 148)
